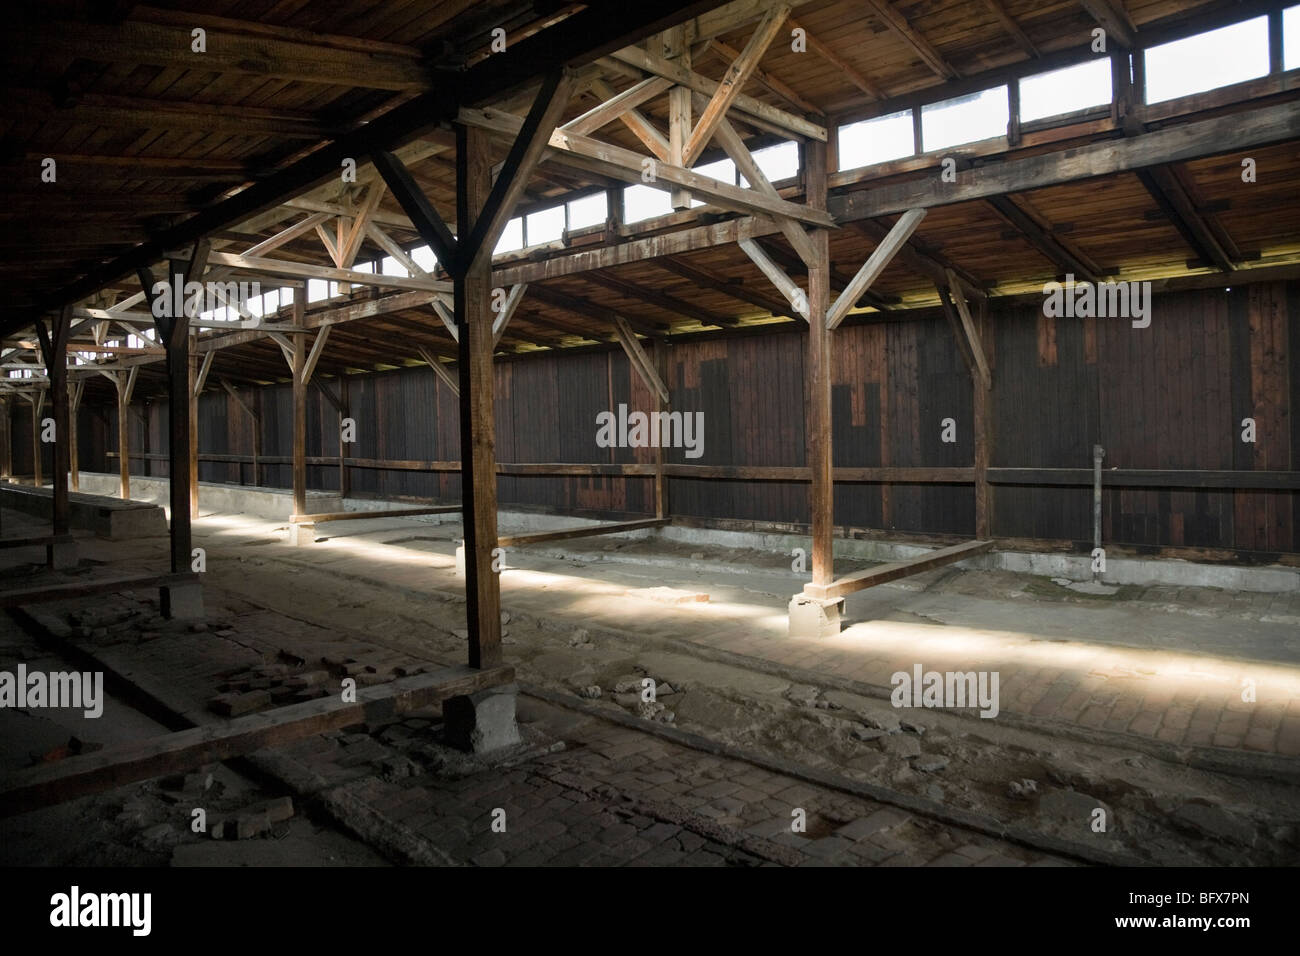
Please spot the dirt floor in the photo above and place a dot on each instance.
(587, 625)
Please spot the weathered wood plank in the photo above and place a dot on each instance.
(516, 540)
(189, 749)
(20, 597)
(885, 573)
(364, 515)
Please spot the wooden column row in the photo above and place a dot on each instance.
(473, 296)
(818, 377)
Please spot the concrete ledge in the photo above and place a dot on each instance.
(1269, 579)
(273, 503)
(109, 518)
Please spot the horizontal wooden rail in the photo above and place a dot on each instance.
(1228, 480)
(363, 515)
(20, 597)
(514, 541)
(35, 540)
(884, 573)
(1149, 478)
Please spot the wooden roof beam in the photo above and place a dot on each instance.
(913, 38)
(579, 305)
(583, 152)
(1167, 190)
(771, 115)
(301, 270)
(1042, 239)
(733, 80)
(1114, 19)
(735, 289)
(652, 296)
(169, 45)
(633, 119)
(1011, 27)
(851, 73)
(768, 79)
(1186, 141)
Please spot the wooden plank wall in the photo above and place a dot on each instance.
(1169, 396)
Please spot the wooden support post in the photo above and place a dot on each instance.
(257, 437)
(192, 409)
(473, 299)
(822, 497)
(74, 406)
(38, 403)
(173, 331)
(178, 451)
(299, 403)
(664, 405)
(983, 410)
(178, 392)
(54, 347)
(6, 440)
(676, 50)
(345, 412)
(124, 382)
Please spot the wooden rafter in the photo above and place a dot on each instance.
(768, 79)
(1042, 239)
(654, 297)
(851, 73)
(913, 38)
(737, 74)
(299, 270)
(1114, 19)
(1011, 27)
(617, 105)
(735, 289)
(735, 147)
(169, 45)
(1167, 190)
(525, 153)
(770, 115)
(633, 119)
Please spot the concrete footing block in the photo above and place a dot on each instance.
(484, 721)
(182, 602)
(460, 558)
(61, 554)
(302, 533)
(815, 617)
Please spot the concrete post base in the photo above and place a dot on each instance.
(302, 533)
(61, 554)
(182, 602)
(460, 558)
(814, 617)
(480, 722)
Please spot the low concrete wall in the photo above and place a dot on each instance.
(107, 517)
(1269, 579)
(273, 503)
